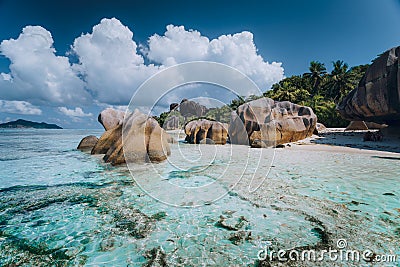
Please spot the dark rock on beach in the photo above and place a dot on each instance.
(319, 128)
(377, 97)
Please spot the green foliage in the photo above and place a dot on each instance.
(316, 75)
(235, 103)
(325, 110)
(165, 115)
(221, 114)
(320, 90)
(161, 119)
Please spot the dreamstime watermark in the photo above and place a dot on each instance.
(339, 253)
(211, 171)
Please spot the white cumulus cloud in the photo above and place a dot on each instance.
(19, 107)
(178, 45)
(36, 73)
(110, 66)
(109, 62)
(77, 112)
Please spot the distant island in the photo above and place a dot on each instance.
(28, 124)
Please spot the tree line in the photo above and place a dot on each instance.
(317, 89)
(320, 90)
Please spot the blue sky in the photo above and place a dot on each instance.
(289, 32)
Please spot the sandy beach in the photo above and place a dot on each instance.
(339, 140)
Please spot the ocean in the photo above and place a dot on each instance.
(63, 207)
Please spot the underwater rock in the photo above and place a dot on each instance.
(240, 237)
(231, 223)
(133, 221)
(156, 256)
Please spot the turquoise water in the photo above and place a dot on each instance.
(63, 207)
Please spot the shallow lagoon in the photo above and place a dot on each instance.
(60, 206)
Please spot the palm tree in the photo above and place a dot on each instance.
(316, 74)
(340, 81)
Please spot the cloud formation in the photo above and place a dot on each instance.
(110, 67)
(178, 45)
(77, 112)
(109, 62)
(19, 107)
(36, 73)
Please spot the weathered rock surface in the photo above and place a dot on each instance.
(142, 140)
(171, 123)
(206, 131)
(265, 122)
(377, 97)
(173, 106)
(356, 125)
(88, 142)
(319, 128)
(110, 118)
(364, 125)
(373, 125)
(191, 108)
(107, 139)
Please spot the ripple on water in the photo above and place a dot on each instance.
(87, 213)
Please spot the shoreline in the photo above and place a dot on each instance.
(336, 140)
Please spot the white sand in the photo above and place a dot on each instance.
(336, 139)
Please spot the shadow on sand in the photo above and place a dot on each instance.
(354, 139)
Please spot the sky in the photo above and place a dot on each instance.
(64, 61)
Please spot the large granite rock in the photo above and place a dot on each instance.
(377, 97)
(88, 142)
(205, 131)
(107, 139)
(356, 125)
(319, 128)
(173, 106)
(171, 123)
(143, 140)
(110, 118)
(265, 122)
(190, 108)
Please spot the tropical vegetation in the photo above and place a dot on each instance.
(319, 89)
